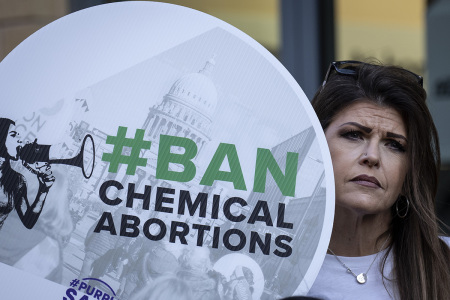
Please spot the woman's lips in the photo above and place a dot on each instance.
(366, 180)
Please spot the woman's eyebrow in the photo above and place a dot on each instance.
(368, 130)
(363, 128)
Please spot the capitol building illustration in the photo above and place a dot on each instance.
(187, 110)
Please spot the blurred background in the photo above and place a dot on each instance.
(306, 35)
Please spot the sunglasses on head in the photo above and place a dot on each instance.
(349, 67)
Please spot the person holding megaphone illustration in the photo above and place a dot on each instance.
(14, 185)
(13, 194)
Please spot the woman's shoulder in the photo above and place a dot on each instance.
(16, 182)
(15, 176)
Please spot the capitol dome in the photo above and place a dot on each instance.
(197, 90)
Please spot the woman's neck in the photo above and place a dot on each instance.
(358, 234)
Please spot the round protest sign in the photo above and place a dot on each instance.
(150, 149)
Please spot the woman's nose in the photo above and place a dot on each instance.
(370, 156)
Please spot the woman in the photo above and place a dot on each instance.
(13, 184)
(385, 154)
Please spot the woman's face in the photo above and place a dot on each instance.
(368, 146)
(12, 142)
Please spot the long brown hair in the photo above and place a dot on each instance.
(421, 258)
(8, 177)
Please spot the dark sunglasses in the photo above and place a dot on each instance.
(348, 67)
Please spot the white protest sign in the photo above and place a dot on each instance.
(185, 158)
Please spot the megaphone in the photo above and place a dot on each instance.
(34, 152)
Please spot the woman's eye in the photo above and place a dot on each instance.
(397, 146)
(352, 135)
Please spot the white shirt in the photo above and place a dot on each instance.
(335, 283)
